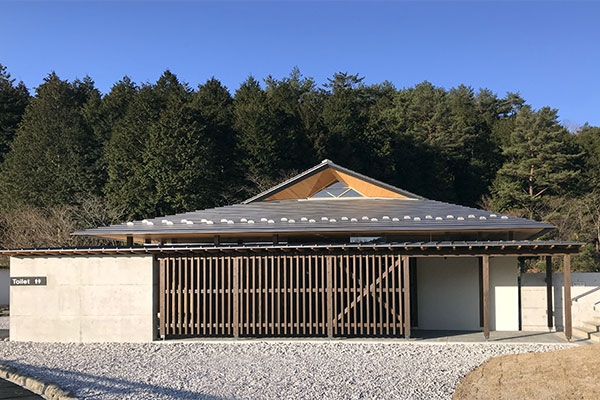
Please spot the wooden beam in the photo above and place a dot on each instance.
(486, 296)
(549, 312)
(567, 296)
(406, 290)
(161, 299)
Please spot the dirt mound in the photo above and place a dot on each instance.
(563, 374)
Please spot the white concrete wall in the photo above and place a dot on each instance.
(4, 286)
(86, 299)
(585, 295)
(448, 293)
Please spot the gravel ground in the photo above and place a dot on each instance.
(256, 369)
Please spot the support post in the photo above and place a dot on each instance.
(486, 296)
(129, 241)
(567, 296)
(406, 290)
(161, 299)
(549, 311)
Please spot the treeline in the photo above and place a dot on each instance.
(70, 154)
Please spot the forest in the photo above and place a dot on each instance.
(72, 157)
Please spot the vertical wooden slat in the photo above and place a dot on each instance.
(284, 297)
(254, 292)
(567, 296)
(355, 297)
(373, 286)
(185, 294)
(324, 288)
(367, 289)
(310, 296)
(361, 280)
(298, 294)
(204, 289)
(347, 288)
(192, 298)
(394, 297)
(272, 288)
(236, 297)
(329, 300)
(406, 290)
(304, 304)
(380, 267)
(222, 295)
(198, 287)
(229, 297)
(486, 296)
(278, 296)
(210, 294)
(161, 299)
(246, 318)
(179, 289)
(260, 294)
(386, 296)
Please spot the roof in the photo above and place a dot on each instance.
(442, 249)
(291, 216)
(324, 165)
(296, 213)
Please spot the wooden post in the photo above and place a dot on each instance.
(549, 292)
(567, 296)
(236, 297)
(486, 296)
(161, 299)
(406, 290)
(329, 296)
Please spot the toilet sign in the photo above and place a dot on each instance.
(28, 281)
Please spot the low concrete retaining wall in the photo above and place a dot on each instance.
(585, 295)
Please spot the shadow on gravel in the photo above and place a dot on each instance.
(99, 386)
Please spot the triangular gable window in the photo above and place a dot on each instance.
(336, 190)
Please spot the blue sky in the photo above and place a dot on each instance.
(549, 52)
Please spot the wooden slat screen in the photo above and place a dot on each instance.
(344, 295)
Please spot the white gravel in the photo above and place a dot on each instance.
(256, 369)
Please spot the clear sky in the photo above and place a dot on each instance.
(549, 52)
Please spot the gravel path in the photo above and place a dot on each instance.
(256, 369)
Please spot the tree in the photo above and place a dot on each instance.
(13, 100)
(588, 139)
(541, 160)
(53, 158)
(129, 188)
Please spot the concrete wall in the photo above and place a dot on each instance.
(86, 299)
(4, 286)
(585, 295)
(448, 293)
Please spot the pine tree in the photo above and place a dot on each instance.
(53, 156)
(13, 100)
(541, 160)
(129, 187)
(588, 138)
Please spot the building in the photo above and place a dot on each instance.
(329, 252)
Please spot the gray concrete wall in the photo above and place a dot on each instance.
(86, 299)
(448, 293)
(585, 295)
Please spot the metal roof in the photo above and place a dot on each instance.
(443, 248)
(335, 215)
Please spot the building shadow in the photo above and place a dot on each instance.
(99, 386)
